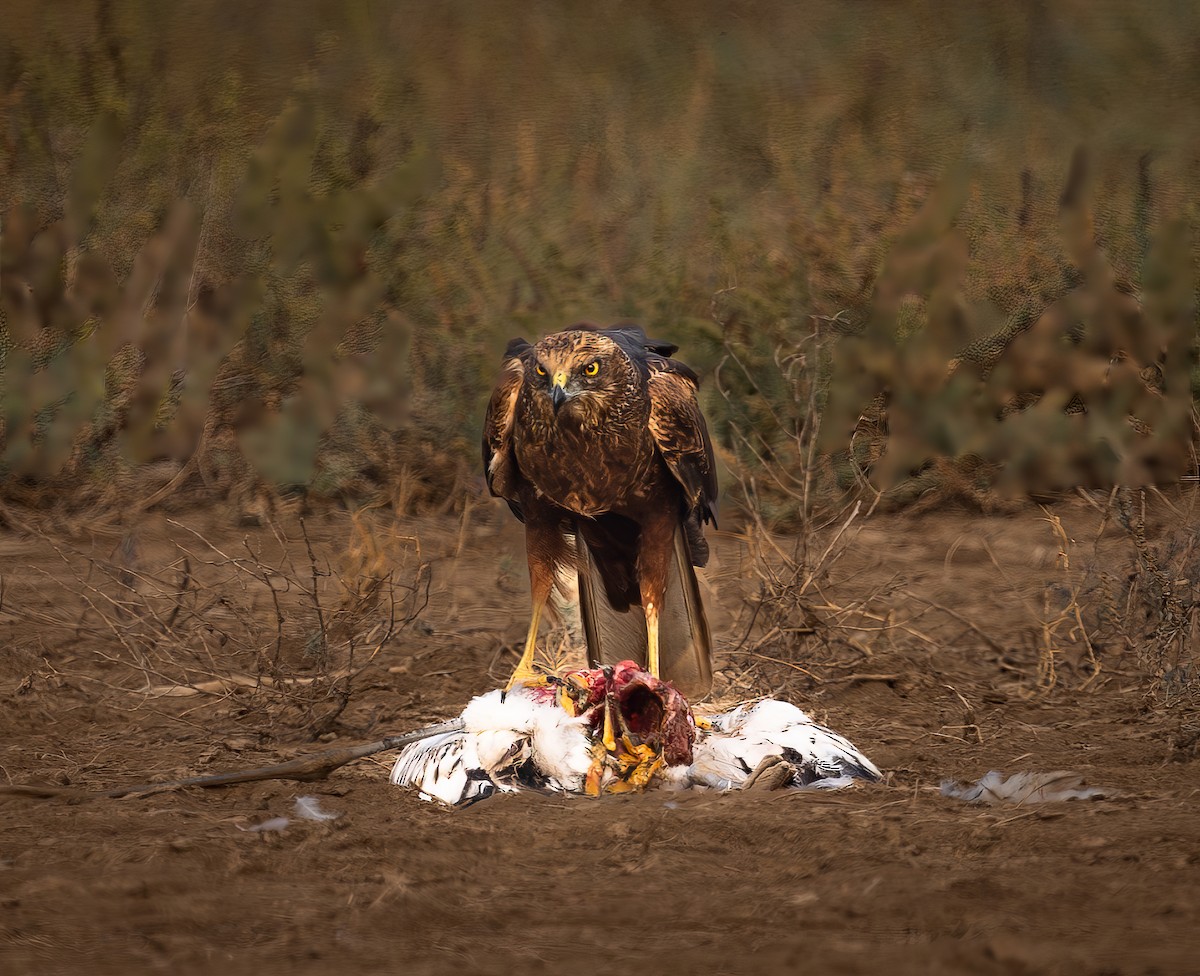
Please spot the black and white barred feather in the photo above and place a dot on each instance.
(523, 741)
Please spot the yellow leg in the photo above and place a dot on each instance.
(610, 738)
(652, 640)
(524, 670)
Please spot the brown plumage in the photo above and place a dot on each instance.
(596, 435)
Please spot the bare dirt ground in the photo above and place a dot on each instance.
(890, 878)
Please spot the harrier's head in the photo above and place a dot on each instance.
(582, 373)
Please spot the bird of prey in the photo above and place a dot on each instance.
(617, 729)
(595, 439)
(509, 741)
(738, 745)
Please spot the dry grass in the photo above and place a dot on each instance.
(281, 273)
(818, 621)
(1157, 609)
(282, 636)
(251, 269)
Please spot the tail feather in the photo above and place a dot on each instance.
(684, 640)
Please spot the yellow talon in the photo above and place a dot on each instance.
(609, 738)
(595, 775)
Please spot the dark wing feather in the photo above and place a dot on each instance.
(614, 634)
(499, 461)
(678, 428)
(633, 340)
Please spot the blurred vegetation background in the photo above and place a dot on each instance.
(278, 248)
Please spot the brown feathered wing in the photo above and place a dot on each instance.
(499, 465)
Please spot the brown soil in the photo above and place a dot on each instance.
(891, 878)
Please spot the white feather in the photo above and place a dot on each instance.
(1027, 787)
(309, 808)
(561, 750)
(443, 767)
(501, 732)
(740, 740)
(504, 735)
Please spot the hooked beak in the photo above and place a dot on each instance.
(558, 392)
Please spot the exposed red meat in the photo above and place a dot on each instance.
(654, 713)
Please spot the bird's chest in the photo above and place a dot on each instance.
(586, 469)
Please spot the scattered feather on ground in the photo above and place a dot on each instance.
(1026, 787)
(309, 808)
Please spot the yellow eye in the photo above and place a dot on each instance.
(592, 368)
(540, 370)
